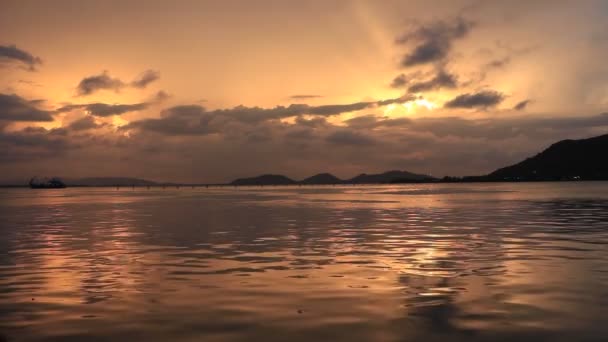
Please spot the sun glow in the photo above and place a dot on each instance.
(418, 103)
(117, 121)
(410, 107)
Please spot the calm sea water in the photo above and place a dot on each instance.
(357, 263)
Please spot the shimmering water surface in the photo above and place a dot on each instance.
(429, 262)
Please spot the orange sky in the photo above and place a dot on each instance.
(547, 56)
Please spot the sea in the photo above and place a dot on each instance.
(411, 262)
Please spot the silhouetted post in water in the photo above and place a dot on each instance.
(148, 187)
(117, 187)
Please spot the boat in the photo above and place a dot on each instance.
(47, 183)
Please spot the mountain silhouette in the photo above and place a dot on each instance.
(264, 180)
(585, 159)
(321, 178)
(389, 177)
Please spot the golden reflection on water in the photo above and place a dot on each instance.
(342, 263)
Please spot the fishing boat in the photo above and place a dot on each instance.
(47, 183)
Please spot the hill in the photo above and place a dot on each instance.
(390, 177)
(321, 178)
(264, 180)
(585, 159)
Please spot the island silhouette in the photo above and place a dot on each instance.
(566, 160)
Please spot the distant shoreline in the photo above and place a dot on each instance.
(161, 186)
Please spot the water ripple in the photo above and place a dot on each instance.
(484, 262)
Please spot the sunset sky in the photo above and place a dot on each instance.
(208, 91)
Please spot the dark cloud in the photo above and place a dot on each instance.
(522, 105)
(300, 133)
(432, 144)
(161, 96)
(12, 54)
(312, 122)
(15, 108)
(399, 81)
(363, 121)
(190, 119)
(442, 79)
(329, 110)
(372, 121)
(185, 111)
(32, 144)
(434, 41)
(509, 128)
(104, 81)
(304, 97)
(259, 136)
(402, 99)
(104, 109)
(91, 84)
(145, 78)
(85, 123)
(482, 99)
(347, 137)
(176, 126)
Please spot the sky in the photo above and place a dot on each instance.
(209, 91)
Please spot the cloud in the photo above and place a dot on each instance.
(161, 96)
(371, 121)
(300, 133)
(32, 144)
(432, 144)
(346, 137)
(329, 110)
(195, 119)
(176, 126)
(104, 109)
(312, 122)
(483, 99)
(183, 111)
(399, 81)
(402, 99)
(15, 108)
(12, 54)
(92, 84)
(442, 79)
(104, 81)
(85, 123)
(508, 128)
(145, 78)
(363, 121)
(522, 105)
(304, 97)
(498, 63)
(433, 41)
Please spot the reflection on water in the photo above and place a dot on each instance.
(433, 262)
